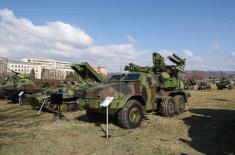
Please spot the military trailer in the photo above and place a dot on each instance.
(141, 90)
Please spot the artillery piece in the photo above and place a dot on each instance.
(70, 91)
(16, 83)
(143, 89)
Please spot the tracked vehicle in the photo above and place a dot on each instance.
(70, 90)
(142, 90)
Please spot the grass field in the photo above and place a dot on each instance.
(207, 127)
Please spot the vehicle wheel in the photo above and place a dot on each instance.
(73, 107)
(64, 107)
(93, 117)
(167, 108)
(179, 104)
(131, 115)
(15, 98)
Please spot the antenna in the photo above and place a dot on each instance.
(120, 80)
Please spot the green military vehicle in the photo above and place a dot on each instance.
(142, 90)
(70, 90)
(189, 84)
(17, 83)
(224, 83)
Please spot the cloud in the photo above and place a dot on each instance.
(215, 45)
(21, 38)
(131, 39)
(233, 54)
(188, 53)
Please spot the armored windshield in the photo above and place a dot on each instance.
(124, 77)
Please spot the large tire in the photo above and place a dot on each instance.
(167, 107)
(179, 104)
(64, 108)
(73, 107)
(131, 115)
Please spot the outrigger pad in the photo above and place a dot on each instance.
(56, 98)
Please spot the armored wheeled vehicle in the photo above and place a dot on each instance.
(142, 90)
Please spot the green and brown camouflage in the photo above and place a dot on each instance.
(70, 90)
(189, 84)
(143, 89)
(15, 83)
(224, 83)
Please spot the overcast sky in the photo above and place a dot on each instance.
(108, 33)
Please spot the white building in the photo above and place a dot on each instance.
(23, 67)
(59, 68)
(49, 63)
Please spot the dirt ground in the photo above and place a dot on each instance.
(208, 127)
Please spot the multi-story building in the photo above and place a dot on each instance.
(3, 66)
(25, 67)
(45, 68)
(101, 70)
(49, 63)
(57, 69)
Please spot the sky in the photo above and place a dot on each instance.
(112, 33)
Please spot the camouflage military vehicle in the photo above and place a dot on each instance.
(189, 84)
(203, 85)
(70, 90)
(16, 83)
(142, 90)
(224, 83)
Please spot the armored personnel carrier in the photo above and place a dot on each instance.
(141, 90)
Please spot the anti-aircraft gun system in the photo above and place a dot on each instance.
(142, 89)
(168, 74)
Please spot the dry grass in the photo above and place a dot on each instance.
(207, 128)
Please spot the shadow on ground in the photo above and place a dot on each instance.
(212, 131)
(13, 121)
